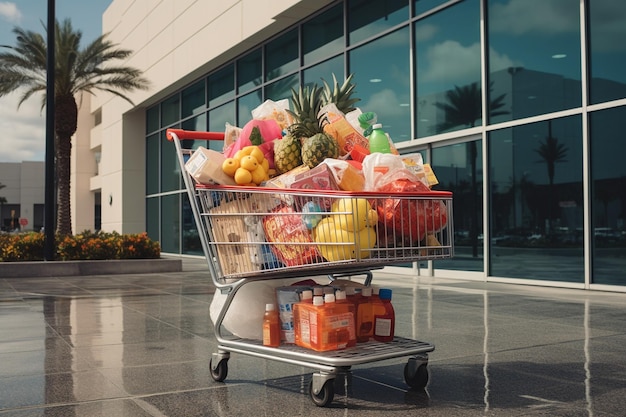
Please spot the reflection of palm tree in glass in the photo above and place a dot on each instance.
(551, 152)
(463, 109)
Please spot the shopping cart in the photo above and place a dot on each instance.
(253, 234)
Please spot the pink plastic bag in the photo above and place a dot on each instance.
(269, 130)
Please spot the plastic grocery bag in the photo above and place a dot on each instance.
(268, 129)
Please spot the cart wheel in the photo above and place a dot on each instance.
(417, 380)
(326, 394)
(220, 372)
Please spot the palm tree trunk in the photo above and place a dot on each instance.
(66, 114)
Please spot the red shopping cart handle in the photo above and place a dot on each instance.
(193, 135)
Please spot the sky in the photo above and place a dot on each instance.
(22, 131)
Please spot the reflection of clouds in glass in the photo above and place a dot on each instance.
(499, 62)
(449, 60)
(384, 103)
(425, 32)
(517, 17)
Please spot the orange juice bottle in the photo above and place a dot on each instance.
(347, 307)
(365, 316)
(385, 320)
(271, 326)
(302, 319)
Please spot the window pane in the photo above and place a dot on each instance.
(324, 70)
(170, 223)
(152, 218)
(536, 201)
(459, 169)
(152, 164)
(608, 175)
(607, 51)
(367, 18)
(152, 119)
(323, 36)
(246, 104)
(221, 85)
(197, 123)
(282, 88)
(191, 239)
(382, 77)
(534, 56)
(281, 55)
(170, 172)
(249, 71)
(448, 70)
(218, 118)
(170, 111)
(193, 99)
(422, 6)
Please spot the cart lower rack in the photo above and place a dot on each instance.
(252, 234)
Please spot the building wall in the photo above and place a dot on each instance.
(24, 188)
(174, 42)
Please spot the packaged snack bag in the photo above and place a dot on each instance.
(289, 238)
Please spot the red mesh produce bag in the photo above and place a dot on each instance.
(410, 218)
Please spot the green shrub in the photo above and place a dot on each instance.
(83, 246)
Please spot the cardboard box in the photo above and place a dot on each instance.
(205, 166)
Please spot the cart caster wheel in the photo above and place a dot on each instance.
(325, 396)
(419, 379)
(220, 372)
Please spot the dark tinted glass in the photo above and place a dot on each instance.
(191, 238)
(459, 169)
(536, 201)
(218, 118)
(170, 111)
(170, 172)
(422, 6)
(170, 223)
(152, 119)
(193, 99)
(608, 176)
(448, 70)
(249, 71)
(367, 18)
(152, 164)
(323, 36)
(152, 218)
(607, 51)
(324, 71)
(281, 55)
(221, 85)
(534, 56)
(246, 104)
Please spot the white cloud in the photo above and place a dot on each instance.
(10, 12)
(23, 132)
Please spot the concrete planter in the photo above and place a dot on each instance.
(37, 269)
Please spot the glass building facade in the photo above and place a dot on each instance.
(518, 105)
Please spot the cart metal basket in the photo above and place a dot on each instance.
(257, 233)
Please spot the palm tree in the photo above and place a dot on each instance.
(77, 71)
(551, 152)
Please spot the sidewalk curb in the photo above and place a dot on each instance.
(42, 269)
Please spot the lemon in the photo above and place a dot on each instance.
(249, 162)
(229, 166)
(266, 165)
(243, 176)
(258, 175)
(257, 153)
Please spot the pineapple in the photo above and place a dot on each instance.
(287, 153)
(341, 96)
(317, 148)
(307, 103)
